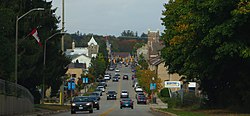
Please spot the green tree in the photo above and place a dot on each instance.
(30, 54)
(98, 66)
(208, 40)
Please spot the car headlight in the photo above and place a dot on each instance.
(73, 104)
(96, 102)
(114, 95)
(88, 104)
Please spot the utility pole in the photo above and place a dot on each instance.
(62, 26)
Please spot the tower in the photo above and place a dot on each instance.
(93, 47)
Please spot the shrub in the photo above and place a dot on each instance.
(164, 92)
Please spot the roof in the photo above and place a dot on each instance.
(92, 41)
(156, 61)
(121, 54)
(77, 65)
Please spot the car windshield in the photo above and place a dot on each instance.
(81, 99)
(126, 99)
(93, 98)
(111, 92)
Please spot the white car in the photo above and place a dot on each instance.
(107, 77)
(138, 89)
(101, 88)
(124, 94)
(117, 70)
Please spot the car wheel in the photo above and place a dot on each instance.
(91, 111)
(137, 102)
(98, 108)
(120, 107)
(73, 112)
(132, 107)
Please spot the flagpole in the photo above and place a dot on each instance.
(16, 50)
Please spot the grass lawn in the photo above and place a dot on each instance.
(52, 107)
(205, 112)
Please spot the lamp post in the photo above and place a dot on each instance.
(44, 61)
(17, 20)
(153, 98)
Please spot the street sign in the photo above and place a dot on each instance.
(152, 86)
(191, 84)
(71, 85)
(85, 80)
(172, 84)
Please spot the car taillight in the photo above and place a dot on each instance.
(131, 103)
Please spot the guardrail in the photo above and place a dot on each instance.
(12, 89)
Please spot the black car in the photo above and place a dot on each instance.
(126, 102)
(141, 99)
(125, 77)
(111, 94)
(104, 84)
(115, 79)
(95, 102)
(82, 103)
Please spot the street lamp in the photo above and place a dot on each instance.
(18, 18)
(44, 61)
(153, 98)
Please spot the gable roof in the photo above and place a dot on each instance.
(92, 41)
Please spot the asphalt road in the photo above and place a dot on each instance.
(112, 107)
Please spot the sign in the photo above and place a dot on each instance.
(71, 85)
(152, 86)
(85, 80)
(191, 84)
(172, 84)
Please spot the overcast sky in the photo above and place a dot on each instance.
(111, 17)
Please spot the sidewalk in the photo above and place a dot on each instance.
(160, 104)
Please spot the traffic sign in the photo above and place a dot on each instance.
(85, 80)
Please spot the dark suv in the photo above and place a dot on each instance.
(81, 103)
(111, 94)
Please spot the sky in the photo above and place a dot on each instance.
(111, 17)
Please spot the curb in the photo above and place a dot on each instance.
(163, 112)
(51, 112)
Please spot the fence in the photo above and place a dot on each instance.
(12, 89)
(188, 97)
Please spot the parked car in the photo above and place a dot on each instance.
(126, 102)
(125, 77)
(81, 103)
(111, 94)
(98, 90)
(141, 99)
(95, 102)
(104, 84)
(124, 94)
(97, 94)
(139, 94)
(138, 89)
(102, 88)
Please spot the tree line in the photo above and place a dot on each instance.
(208, 40)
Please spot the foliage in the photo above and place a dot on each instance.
(209, 40)
(145, 78)
(164, 92)
(30, 54)
(142, 62)
(98, 66)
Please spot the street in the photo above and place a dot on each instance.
(112, 107)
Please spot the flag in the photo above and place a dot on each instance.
(35, 35)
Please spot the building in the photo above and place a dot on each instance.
(75, 70)
(121, 56)
(90, 51)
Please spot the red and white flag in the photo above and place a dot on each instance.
(35, 35)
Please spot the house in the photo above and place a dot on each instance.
(152, 54)
(82, 59)
(90, 51)
(75, 70)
